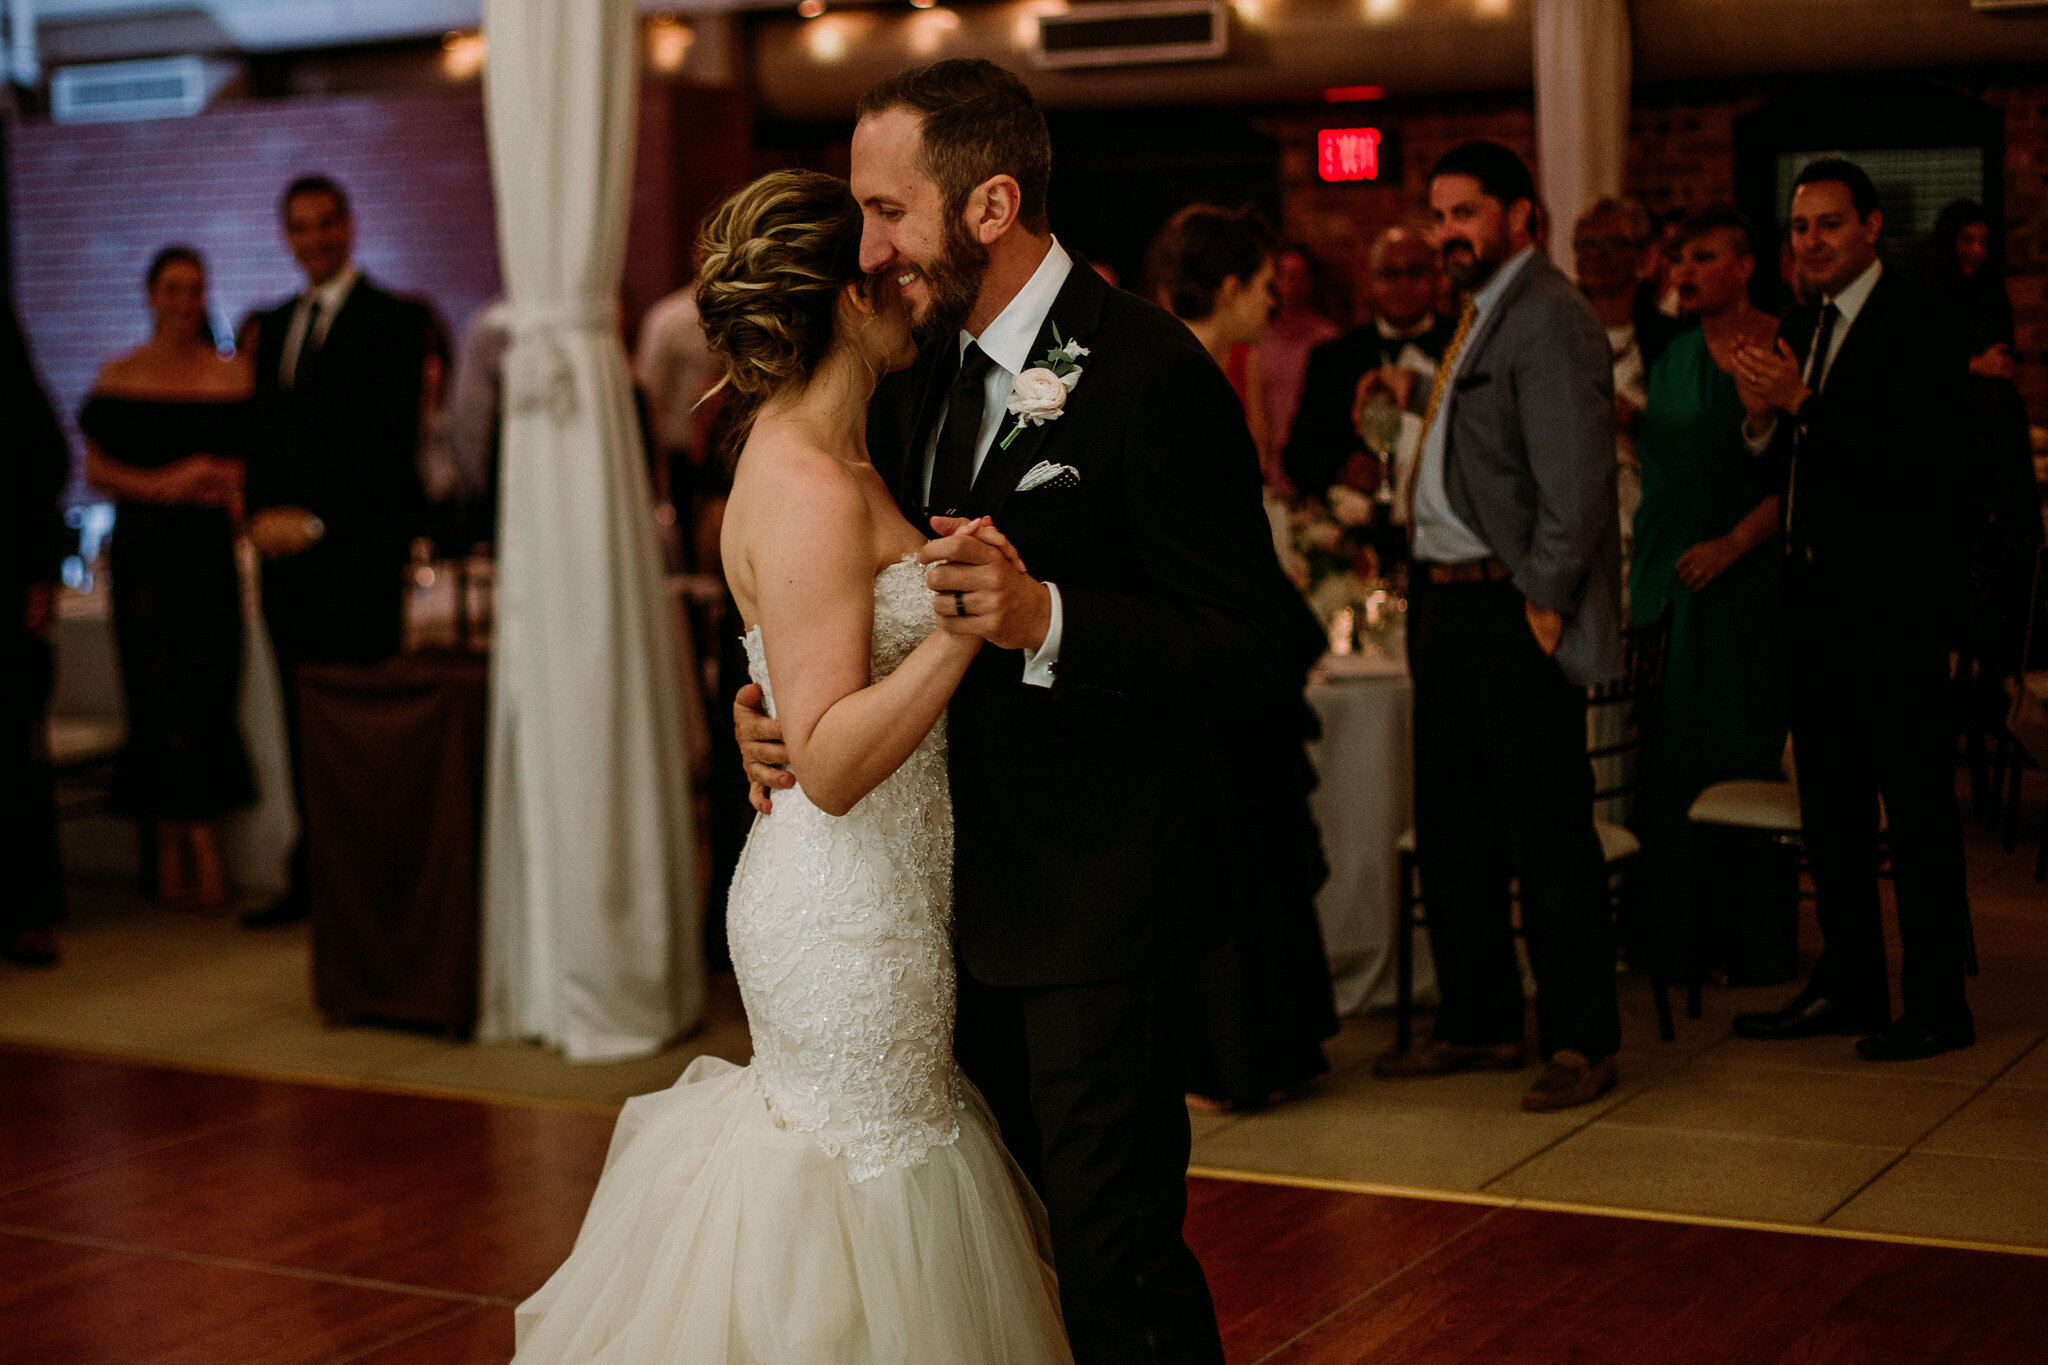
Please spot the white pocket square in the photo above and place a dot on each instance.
(1046, 472)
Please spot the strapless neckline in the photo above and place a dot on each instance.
(908, 561)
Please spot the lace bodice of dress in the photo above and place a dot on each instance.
(841, 933)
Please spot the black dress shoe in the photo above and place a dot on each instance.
(1808, 1016)
(290, 910)
(1911, 1038)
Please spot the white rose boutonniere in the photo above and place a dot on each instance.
(1039, 394)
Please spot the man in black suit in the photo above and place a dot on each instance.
(1854, 409)
(333, 480)
(1514, 611)
(1154, 609)
(1403, 278)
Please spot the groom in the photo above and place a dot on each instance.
(1088, 839)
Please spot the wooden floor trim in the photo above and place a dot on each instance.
(260, 1267)
(1508, 1201)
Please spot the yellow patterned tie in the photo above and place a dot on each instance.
(1437, 386)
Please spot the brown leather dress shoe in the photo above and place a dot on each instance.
(1568, 1081)
(1439, 1058)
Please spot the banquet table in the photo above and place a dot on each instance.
(1364, 802)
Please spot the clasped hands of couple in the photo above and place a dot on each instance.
(980, 587)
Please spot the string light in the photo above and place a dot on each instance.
(811, 9)
(462, 55)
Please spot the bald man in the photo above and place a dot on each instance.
(1403, 278)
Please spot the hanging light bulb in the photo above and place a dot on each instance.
(923, 4)
(811, 9)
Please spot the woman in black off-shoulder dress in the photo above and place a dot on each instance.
(167, 427)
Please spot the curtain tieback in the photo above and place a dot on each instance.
(538, 374)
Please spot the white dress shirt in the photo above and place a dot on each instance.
(1007, 342)
(331, 296)
(1441, 537)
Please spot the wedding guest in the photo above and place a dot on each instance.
(1706, 552)
(2003, 505)
(1853, 409)
(1300, 323)
(675, 368)
(334, 491)
(476, 411)
(1213, 269)
(1263, 1001)
(167, 430)
(1514, 611)
(1403, 280)
(1611, 245)
(36, 465)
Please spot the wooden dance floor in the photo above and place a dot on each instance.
(158, 1215)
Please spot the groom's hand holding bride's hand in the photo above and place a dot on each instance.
(761, 747)
(974, 566)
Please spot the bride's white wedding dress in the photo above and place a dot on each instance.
(845, 1198)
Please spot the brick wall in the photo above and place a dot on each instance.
(1681, 155)
(91, 203)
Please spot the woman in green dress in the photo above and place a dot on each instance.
(1706, 551)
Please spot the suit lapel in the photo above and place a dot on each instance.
(347, 322)
(1074, 315)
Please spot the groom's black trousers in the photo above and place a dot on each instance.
(1504, 790)
(1086, 1083)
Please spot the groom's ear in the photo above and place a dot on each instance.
(993, 207)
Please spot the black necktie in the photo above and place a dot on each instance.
(953, 467)
(1796, 543)
(309, 342)
(1817, 362)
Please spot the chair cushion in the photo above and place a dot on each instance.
(79, 740)
(1769, 806)
(1616, 841)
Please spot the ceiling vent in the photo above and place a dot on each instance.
(112, 92)
(1134, 34)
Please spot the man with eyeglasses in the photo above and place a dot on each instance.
(1403, 277)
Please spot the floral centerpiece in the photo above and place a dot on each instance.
(1333, 561)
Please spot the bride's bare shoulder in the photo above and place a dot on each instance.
(786, 491)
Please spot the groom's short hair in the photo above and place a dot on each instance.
(979, 122)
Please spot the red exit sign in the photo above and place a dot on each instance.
(1348, 153)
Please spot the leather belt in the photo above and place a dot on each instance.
(1489, 570)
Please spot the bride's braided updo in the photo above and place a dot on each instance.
(773, 260)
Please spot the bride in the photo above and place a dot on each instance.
(845, 1198)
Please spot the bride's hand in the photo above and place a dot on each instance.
(761, 748)
(982, 529)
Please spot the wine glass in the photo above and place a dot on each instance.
(1379, 426)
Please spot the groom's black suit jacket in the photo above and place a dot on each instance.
(1090, 843)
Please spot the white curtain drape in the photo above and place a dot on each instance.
(590, 936)
(1582, 79)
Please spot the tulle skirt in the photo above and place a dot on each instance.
(718, 1238)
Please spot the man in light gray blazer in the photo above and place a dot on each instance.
(1515, 609)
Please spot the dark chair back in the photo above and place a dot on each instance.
(1621, 717)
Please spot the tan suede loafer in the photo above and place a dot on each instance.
(1568, 1081)
(1438, 1058)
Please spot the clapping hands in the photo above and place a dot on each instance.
(1768, 379)
(980, 585)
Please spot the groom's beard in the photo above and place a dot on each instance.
(954, 282)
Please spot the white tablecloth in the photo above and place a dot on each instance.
(1365, 801)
